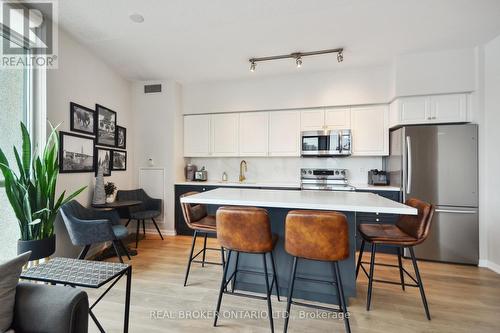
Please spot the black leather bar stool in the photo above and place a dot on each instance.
(246, 230)
(410, 230)
(200, 222)
(320, 236)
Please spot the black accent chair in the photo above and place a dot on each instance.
(149, 209)
(88, 226)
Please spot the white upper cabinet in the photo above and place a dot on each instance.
(197, 136)
(321, 119)
(224, 128)
(370, 130)
(414, 110)
(254, 133)
(284, 132)
(312, 120)
(448, 108)
(337, 118)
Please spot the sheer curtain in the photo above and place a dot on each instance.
(14, 97)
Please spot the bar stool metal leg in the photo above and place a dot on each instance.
(204, 250)
(340, 293)
(233, 282)
(190, 257)
(420, 285)
(268, 293)
(361, 250)
(275, 278)
(370, 278)
(401, 273)
(290, 293)
(221, 290)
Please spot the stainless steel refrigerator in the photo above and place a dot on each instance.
(439, 164)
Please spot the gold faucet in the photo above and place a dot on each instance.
(242, 173)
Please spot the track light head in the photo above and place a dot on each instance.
(298, 61)
(252, 66)
(340, 56)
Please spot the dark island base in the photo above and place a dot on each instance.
(305, 290)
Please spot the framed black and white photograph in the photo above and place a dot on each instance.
(103, 160)
(119, 160)
(106, 126)
(82, 119)
(121, 137)
(76, 153)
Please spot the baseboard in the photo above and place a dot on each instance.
(491, 265)
(164, 232)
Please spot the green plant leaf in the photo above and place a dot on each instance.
(72, 196)
(26, 153)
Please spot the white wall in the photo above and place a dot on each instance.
(491, 140)
(158, 125)
(368, 85)
(85, 79)
(441, 72)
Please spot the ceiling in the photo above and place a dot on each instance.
(207, 40)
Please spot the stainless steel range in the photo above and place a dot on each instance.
(324, 180)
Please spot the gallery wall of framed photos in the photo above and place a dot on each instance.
(95, 141)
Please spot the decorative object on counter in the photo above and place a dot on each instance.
(201, 175)
(190, 171)
(103, 160)
(224, 176)
(106, 126)
(151, 162)
(32, 194)
(110, 189)
(99, 197)
(119, 160)
(82, 119)
(378, 177)
(76, 153)
(121, 137)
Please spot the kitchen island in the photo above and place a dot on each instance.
(279, 203)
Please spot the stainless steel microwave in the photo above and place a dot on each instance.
(326, 143)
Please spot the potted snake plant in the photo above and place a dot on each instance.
(31, 190)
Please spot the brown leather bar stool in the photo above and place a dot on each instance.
(197, 219)
(246, 230)
(410, 230)
(320, 236)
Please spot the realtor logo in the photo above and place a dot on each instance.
(30, 34)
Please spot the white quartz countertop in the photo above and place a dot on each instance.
(320, 200)
(358, 186)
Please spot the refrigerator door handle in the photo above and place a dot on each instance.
(409, 164)
(455, 211)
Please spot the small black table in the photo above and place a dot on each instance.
(84, 273)
(118, 204)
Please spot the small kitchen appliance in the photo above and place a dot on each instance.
(201, 175)
(378, 177)
(324, 180)
(190, 171)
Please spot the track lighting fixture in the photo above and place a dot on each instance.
(297, 56)
(298, 62)
(340, 56)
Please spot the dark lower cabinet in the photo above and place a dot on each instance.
(378, 218)
(180, 225)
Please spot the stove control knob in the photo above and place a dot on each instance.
(342, 172)
(309, 172)
(336, 172)
(304, 172)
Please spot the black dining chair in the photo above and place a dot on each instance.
(150, 208)
(88, 226)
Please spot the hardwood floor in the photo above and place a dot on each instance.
(461, 298)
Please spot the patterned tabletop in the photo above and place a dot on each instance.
(83, 273)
